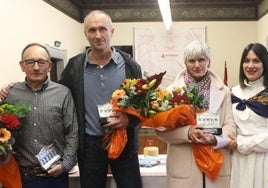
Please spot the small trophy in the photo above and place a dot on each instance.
(210, 122)
(105, 112)
(47, 156)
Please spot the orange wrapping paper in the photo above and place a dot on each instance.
(169, 120)
(208, 160)
(10, 174)
(117, 142)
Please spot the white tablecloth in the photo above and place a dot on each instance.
(152, 177)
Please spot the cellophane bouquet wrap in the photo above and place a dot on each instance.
(161, 110)
(11, 121)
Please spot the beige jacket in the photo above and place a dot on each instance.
(182, 171)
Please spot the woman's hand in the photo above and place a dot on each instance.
(233, 144)
(201, 136)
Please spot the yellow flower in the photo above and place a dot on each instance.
(128, 83)
(161, 94)
(118, 94)
(5, 135)
(177, 90)
(1, 111)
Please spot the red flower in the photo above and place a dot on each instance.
(10, 121)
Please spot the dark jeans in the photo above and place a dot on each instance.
(125, 169)
(31, 181)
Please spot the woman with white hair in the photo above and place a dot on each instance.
(182, 170)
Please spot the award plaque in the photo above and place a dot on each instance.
(105, 112)
(47, 157)
(210, 122)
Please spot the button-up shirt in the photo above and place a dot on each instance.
(52, 120)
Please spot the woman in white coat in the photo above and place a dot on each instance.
(182, 170)
(250, 109)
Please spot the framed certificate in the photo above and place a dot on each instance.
(209, 121)
(47, 157)
(105, 112)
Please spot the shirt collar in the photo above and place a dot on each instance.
(114, 58)
(44, 86)
(254, 83)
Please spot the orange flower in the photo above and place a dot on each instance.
(5, 135)
(118, 94)
(10, 124)
(154, 105)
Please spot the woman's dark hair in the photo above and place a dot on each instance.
(262, 54)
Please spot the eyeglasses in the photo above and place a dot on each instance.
(40, 62)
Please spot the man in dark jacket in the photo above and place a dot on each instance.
(92, 77)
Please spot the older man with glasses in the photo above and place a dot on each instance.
(51, 126)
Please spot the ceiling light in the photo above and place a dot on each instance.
(164, 6)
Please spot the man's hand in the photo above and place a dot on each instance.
(119, 120)
(4, 92)
(56, 170)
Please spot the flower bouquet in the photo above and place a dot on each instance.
(144, 99)
(11, 120)
(163, 111)
(155, 107)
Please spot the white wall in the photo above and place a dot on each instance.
(227, 39)
(263, 30)
(25, 21)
